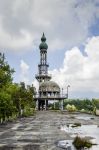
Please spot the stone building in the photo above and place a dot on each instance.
(48, 89)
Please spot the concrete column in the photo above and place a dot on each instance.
(45, 105)
(62, 102)
(59, 104)
(54, 104)
(37, 104)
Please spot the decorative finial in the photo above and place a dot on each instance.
(43, 45)
(43, 38)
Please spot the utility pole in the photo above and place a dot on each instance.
(67, 90)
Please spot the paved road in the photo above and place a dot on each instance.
(40, 132)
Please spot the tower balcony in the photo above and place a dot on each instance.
(46, 64)
(50, 97)
(43, 76)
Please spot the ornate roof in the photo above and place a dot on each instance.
(49, 86)
(43, 44)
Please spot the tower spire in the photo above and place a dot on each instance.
(43, 38)
(43, 66)
(43, 46)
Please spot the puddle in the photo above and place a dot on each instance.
(84, 117)
(91, 131)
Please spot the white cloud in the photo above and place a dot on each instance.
(66, 23)
(80, 71)
(24, 72)
(15, 42)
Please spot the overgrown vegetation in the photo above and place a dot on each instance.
(81, 143)
(15, 99)
(84, 105)
(71, 108)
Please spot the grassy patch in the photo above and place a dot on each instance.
(81, 143)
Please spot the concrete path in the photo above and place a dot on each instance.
(40, 132)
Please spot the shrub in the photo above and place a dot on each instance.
(71, 108)
(82, 110)
(28, 111)
(81, 143)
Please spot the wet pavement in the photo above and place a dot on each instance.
(42, 131)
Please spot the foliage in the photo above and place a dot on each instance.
(6, 106)
(5, 72)
(14, 98)
(85, 104)
(82, 110)
(54, 105)
(71, 108)
(28, 111)
(95, 103)
(81, 143)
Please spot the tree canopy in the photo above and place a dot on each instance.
(16, 99)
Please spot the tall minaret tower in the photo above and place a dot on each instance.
(43, 75)
(48, 90)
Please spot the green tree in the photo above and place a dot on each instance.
(14, 98)
(6, 104)
(26, 98)
(5, 72)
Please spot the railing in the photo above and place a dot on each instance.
(51, 96)
(43, 75)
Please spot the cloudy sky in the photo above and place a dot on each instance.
(72, 31)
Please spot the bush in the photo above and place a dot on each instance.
(28, 111)
(82, 110)
(71, 108)
(81, 143)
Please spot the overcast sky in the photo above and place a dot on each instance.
(72, 31)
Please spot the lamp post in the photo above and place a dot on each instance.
(62, 102)
(67, 90)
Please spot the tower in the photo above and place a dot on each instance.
(43, 75)
(48, 90)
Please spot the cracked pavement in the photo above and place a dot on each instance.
(39, 132)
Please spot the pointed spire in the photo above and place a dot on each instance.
(43, 44)
(43, 38)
